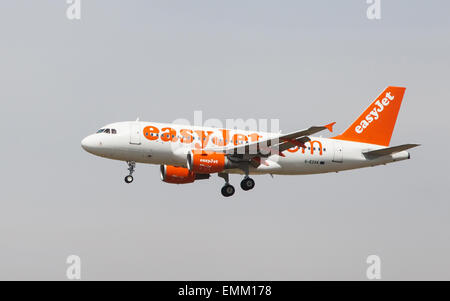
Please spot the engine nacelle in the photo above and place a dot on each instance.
(206, 162)
(180, 175)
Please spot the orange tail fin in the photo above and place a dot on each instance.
(376, 123)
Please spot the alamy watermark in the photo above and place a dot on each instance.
(73, 271)
(374, 10)
(214, 133)
(373, 271)
(73, 12)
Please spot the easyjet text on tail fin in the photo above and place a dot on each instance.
(377, 122)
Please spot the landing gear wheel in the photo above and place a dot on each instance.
(131, 166)
(227, 190)
(247, 184)
(129, 179)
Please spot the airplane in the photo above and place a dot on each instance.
(190, 153)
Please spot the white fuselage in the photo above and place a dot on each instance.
(160, 143)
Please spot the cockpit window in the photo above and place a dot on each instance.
(107, 131)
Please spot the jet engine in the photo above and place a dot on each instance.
(179, 175)
(206, 162)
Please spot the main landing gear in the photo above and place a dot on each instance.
(247, 183)
(228, 190)
(131, 166)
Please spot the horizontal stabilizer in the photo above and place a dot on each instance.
(388, 151)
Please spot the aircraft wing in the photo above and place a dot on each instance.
(276, 145)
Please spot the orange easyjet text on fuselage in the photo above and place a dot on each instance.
(188, 136)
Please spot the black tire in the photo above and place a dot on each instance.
(247, 184)
(227, 190)
(129, 179)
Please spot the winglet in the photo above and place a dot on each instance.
(330, 126)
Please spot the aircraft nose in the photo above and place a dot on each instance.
(89, 143)
(85, 143)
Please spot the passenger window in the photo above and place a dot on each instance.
(106, 131)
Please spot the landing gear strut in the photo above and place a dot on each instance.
(227, 189)
(247, 183)
(131, 166)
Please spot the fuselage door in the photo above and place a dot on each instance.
(135, 132)
(338, 155)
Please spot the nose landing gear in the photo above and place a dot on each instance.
(131, 166)
(128, 179)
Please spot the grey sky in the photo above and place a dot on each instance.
(305, 62)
